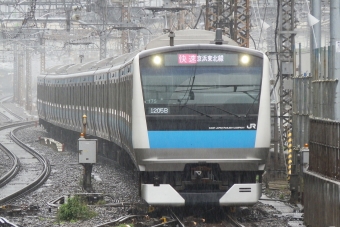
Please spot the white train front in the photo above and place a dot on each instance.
(194, 118)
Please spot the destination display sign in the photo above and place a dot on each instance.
(205, 59)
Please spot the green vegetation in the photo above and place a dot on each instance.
(101, 202)
(75, 209)
(282, 197)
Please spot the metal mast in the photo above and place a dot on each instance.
(335, 35)
(102, 33)
(286, 62)
(28, 81)
(125, 42)
(20, 77)
(233, 16)
(286, 73)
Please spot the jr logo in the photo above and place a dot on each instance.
(251, 126)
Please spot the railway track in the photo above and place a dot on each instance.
(7, 114)
(171, 219)
(5, 223)
(30, 169)
(234, 221)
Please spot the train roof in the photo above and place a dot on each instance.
(79, 67)
(188, 36)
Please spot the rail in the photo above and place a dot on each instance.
(13, 171)
(5, 223)
(8, 110)
(234, 221)
(118, 220)
(42, 177)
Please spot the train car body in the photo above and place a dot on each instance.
(194, 118)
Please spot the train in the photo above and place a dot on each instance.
(191, 110)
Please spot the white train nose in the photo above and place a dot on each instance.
(242, 194)
(238, 194)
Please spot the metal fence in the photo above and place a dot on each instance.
(314, 94)
(324, 152)
(321, 181)
(323, 82)
(301, 109)
(322, 201)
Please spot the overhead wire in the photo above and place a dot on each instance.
(259, 21)
(276, 49)
(255, 13)
(264, 18)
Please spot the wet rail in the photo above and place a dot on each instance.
(5, 223)
(7, 113)
(15, 166)
(171, 219)
(4, 179)
(234, 222)
(34, 170)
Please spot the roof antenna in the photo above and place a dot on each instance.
(218, 38)
(172, 36)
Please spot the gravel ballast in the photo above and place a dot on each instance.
(66, 176)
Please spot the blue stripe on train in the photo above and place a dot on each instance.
(202, 139)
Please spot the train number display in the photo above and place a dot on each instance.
(159, 110)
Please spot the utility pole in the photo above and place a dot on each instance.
(125, 42)
(15, 73)
(21, 76)
(102, 32)
(28, 106)
(42, 55)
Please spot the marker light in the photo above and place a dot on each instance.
(245, 59)
(157, 60)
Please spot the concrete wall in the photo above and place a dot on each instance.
(321, 201)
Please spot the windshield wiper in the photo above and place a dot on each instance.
(212, 86)
(252, 104)
(196, 111)
(252, 97)
(188, 91)
(236, 115)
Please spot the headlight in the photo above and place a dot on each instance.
(157, 60)
(245, 59)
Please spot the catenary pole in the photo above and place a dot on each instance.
(335, 42)
(315, 45)
(316, 12)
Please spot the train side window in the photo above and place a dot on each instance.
(102, 94)
(83, 96)
(80, 95)
(88, 96)
(69, 95)
(72, 94)
(64, 102)
(97, 104)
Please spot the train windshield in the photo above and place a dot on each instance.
(201, 78)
